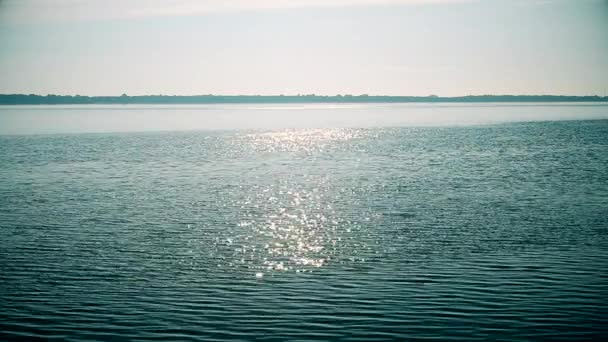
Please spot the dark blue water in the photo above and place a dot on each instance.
(491, 232)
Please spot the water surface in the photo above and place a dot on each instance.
(463, 231)
(146, 118)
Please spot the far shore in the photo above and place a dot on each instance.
(22, 99)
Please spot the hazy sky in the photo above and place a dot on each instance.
(394, 47)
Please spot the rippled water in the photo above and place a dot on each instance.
(358, 234)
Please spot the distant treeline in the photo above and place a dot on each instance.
(22, 99)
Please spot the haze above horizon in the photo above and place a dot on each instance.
(385, 47)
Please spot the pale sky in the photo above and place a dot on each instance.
(376, 47)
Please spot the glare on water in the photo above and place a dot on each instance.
(290, 224)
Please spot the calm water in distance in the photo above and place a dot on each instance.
(146, 118)
(273, 223)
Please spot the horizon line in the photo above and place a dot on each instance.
(302, 95)
(124, 99)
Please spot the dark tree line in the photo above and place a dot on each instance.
(22, 99)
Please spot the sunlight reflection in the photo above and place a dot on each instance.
(309, 140)
(288, 217)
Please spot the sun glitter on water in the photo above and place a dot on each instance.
(309, 140)
(287, 218)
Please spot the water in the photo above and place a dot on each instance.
(16, 120)
(482, 229)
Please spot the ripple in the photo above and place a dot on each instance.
(463, 233)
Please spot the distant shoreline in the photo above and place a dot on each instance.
(22, 99)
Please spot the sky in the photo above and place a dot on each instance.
(324, 47)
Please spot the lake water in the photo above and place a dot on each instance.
(315, 222)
